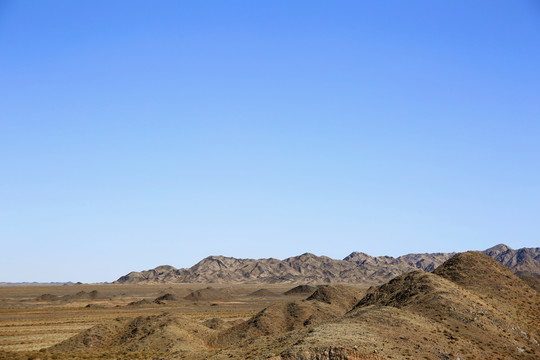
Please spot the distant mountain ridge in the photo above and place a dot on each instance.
(469, 307)
(357, 268)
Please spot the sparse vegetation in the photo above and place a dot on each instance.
(456, 311)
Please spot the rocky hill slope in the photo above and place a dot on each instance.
(358, 268)
(470, 307)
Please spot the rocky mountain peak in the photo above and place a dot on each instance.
(498, 249)
(165, 268)
(306, 256)
(356, 256)
(357, 268)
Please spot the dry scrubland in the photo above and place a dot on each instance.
(470, 307)
(37, 317)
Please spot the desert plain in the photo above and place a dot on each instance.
(469, 307)
(34, 317)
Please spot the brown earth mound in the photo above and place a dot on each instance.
(275, 319)
(83, 295)
(209, 294)
(415, 287)
(263, 293)
(327, 304)
(163, 332)
(94, 294)
(478, 272)
(143, 302)
(301, 290)
(178, 292)
(344, 297)
(47, 297)
(494, 283)
(166, 297)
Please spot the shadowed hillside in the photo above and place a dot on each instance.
(301, 290)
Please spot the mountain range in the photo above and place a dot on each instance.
(469, 307)
(357, 268)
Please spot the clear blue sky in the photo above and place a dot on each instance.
(140, 133)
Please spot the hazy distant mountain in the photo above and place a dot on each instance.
(308, 268)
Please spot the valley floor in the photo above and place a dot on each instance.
(28, 325)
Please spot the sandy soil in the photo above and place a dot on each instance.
(29, 324)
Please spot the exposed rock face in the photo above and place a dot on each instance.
(521, 261)
(358, 268)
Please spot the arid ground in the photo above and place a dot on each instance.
(470, 307)
(30, 321)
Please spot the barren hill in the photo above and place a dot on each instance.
(81, 295)
(325, 304)
(209, 293)
(358, 268)
(451, 313)
(470, 307)
(263, 293)
(165, 332)
(301, 290)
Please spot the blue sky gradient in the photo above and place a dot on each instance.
(141, 133)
